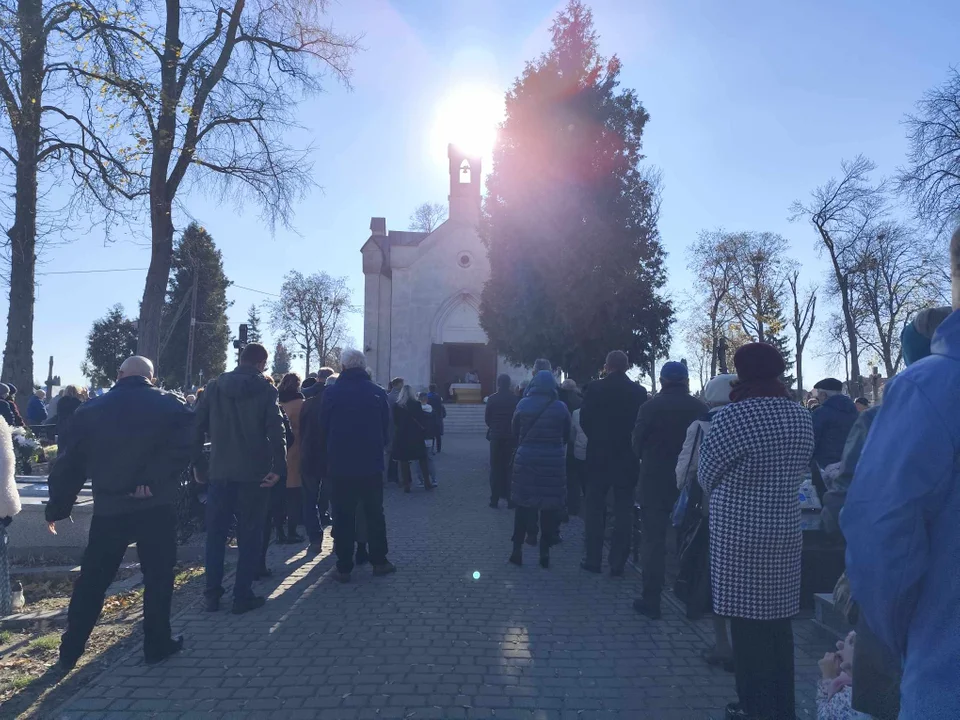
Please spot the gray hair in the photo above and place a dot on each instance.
(617, 361)
(332, 380)
(352, 358)
(542, 364)
(137, 365)
(569, 384)
(824, 394)
(4, 391)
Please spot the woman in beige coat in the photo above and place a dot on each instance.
(291, 400)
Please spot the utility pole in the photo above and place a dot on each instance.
(193, 328)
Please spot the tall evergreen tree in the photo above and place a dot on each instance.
(195, 252)
(112, 339)
(570, 216)
(281, 360)
(253, 325)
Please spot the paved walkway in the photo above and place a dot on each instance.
(435, 640)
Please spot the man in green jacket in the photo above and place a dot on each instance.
(240, 414)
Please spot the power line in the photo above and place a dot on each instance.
(119, 270)
(90, 272)
(262, 292)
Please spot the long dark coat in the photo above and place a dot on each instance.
(410, 425)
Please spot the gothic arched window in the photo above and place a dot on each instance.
(465, 177)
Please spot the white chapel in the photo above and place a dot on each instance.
(422, 291)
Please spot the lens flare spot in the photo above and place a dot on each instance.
(476, 574)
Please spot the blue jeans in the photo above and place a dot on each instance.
(249, 502)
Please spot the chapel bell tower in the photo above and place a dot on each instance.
(464, 186)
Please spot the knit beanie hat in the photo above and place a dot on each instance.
(717, 391)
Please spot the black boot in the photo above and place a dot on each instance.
(281, 535)
(517, 557)
(362, 556)
(294, 515)
(544, 558)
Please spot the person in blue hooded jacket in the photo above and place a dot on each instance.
(541, 425)
(900, 523)
(831, 421)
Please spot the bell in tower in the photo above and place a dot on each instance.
(464, 186)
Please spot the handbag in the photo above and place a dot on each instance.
(680, 506)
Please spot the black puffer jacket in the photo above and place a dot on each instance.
(499, 411)
(542, 426)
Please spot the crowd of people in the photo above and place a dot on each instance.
(724, 468)
(272, 459)
(731, 464)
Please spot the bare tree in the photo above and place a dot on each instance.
(932, 177)
(711, 262)
(428, 217)
(804, 317)
(896, 275)
(43, 132)
(312, 315)
(213, 87)
(845, 213)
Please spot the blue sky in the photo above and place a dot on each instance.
(752, 104)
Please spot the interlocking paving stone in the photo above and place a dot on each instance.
(433, 642)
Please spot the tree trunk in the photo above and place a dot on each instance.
(161, 192)
(799, 366)
(158, 275)
(18, 352)
(854, 385)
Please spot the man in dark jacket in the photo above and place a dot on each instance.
(832, 421)
(319, 382)
(133, 443)
(239, 412)
(606, 417)
(657, 440)
(354, 428)
(499, 418)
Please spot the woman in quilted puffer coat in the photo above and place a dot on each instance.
(541, 425)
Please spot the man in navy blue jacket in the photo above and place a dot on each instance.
(133, 443)
(354, 430)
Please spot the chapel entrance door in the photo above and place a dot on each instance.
(450, 362)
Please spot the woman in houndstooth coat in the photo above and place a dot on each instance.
(752, 463)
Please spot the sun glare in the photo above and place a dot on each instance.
(468, 117)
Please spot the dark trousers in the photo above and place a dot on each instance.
(501, 454)
(654, 521)
(525, 523)
(311, 509)
(366, 494)
(763, 658)
(393, 471)
(598, 486)
(155, 532)
(574, 484)
(249, 502)
(438, 442)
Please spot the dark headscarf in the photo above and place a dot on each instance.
(759, 368)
